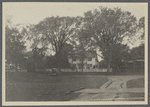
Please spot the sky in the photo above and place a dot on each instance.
(29, 12)
(34, 12)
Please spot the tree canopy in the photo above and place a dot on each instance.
(55, 32)
(14, 46)
(141, 26)
(102, 29)
(107, 28)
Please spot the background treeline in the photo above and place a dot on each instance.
(48, 43)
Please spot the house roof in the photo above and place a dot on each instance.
(88, 54)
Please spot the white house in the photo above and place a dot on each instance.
(90, 61)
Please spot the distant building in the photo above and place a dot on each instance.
(90, 61)
(10, 67)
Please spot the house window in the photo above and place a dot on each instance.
(89, 59)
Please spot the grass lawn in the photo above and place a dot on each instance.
(43, 87)
(137, 83)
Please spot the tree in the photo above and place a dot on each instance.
(137, 52)
(119, 55)
(102, 64)
(80, 53)
(141, 26)
(14, 46)
(107, 28)
(82, 47)
(38, 56)
(52, 60)
(67, 50)
(55, 32)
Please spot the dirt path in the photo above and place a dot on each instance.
(118, 82)
(114, 89)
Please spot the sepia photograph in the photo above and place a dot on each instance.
(79, 53)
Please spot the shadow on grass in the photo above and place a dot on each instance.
(136, 83)
(44, 87)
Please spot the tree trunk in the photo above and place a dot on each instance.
(108, 68)
(109, 62)
(82, 65)
(20, 67)
(82, 61)
(34, 67)
(16, 68)
(82, 69)
(58, 58)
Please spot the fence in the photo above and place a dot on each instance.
(13, 70)
(84, 70)
(63, 70)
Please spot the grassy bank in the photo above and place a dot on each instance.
(43, 87)
(137, 83)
